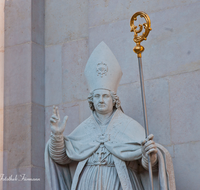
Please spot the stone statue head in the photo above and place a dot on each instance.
(103, 74)
(103, 100)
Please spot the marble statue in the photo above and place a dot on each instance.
(109, 149)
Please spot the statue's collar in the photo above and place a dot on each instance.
(110, 122)
(105, 123)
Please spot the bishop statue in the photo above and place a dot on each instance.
(109, 148)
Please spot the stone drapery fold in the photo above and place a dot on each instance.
(123, 141)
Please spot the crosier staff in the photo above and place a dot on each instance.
(139, 49)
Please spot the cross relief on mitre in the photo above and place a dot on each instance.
(102, 69)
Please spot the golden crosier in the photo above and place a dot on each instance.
(138, 39)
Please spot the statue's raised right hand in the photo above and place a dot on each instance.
(54, 120)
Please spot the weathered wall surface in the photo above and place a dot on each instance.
(22, 99)
(1, 87)
(171, 65)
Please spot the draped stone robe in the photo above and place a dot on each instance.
(121, 143)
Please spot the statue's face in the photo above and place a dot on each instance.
(102, 101)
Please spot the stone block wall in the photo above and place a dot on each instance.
(171, 63)
(22, 110)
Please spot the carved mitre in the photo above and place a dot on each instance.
(102, 70)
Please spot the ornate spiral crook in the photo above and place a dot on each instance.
(139, 38)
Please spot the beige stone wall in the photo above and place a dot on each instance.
(22, 93)
(171, 64)
(1, 87)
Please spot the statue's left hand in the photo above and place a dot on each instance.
(149, 147)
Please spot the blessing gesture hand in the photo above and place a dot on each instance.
(54, 121)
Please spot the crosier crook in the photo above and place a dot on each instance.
(139, 49)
